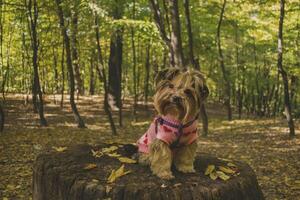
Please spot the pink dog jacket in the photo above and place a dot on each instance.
(169, 131)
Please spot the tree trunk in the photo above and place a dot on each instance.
(147, 75)
(33, 17)
(55, 61)
(102, 75)
(2, 22)
(62, 75)
(2, 118)
(77, 117)
(92, 76)
(62, 175)
(222, 65)
(176, 34)
(287, 104)
(159, 21)
(74, 44)
(134, 66)
(294, 82)
(193, 60)
(115, 62)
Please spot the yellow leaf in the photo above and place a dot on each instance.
(90, 166)
(60, 149)
(114, 155)
(116, 174)
(226, 170)
(209, 169)
(213, 175)
(222, 175)
(97, 154)
(126, 160)
(231, 165)
(109, 149)
(226, 160)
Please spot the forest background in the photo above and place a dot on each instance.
(87, 57)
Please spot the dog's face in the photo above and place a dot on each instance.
(180, 93)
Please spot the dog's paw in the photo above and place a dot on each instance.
(166, 175)
(186, 169)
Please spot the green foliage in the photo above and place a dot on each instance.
(249, 41)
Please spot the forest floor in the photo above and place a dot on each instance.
(262, 143)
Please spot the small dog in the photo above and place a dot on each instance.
(172, 136)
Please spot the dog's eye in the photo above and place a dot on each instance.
(187, 92)
(171, 86)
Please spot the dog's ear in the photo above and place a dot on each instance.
(204, 92)
(202, 88)
(166, 74)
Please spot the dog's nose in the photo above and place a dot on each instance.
(176, 99)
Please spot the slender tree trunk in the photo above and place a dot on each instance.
(92, 76)
(193, 60)
(77, 117)
(287, 104)
(176, 34)
(134, 66)
(276, 96)
(62, 75)
(33, 17)
(222, 65)
(147, 75)
(294, 82)
(75, 57)
(2, 22)
(2, 118)
(159, 21)
(102, 75)
(56, 86)
(55, 61)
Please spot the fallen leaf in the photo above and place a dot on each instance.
(114, 155)
(126, 160)
(117, 173)
(222, 175)
(60, 149)
(97, 154)
(90, 166)
(231, 164)
(226, 170)
(226, 160)
(109, 149)
(163, 185)
(213, 175)
(209, 169)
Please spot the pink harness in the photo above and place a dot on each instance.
(171, 132)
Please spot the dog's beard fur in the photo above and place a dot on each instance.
(179, 95)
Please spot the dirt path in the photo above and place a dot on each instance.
(263, 143)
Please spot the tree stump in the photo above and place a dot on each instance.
(64, 174)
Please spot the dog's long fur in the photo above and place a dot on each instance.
(189, 86)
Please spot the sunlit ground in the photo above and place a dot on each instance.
(262, 143)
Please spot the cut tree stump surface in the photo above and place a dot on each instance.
(62, 175)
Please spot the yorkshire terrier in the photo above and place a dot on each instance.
(172, 136)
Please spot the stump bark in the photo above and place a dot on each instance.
(62, 175)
